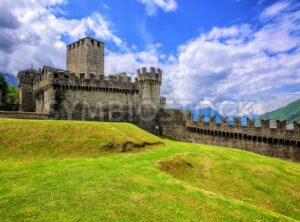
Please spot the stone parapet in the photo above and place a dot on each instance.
(153, 75)
(65, 80)
(265, 130)
(23, 115)
(275, 141)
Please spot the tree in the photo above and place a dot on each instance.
(3, 87)
(12, 96)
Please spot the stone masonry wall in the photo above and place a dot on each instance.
(26, 98)
(23, 115)
(93, 105)
(86, 56)
(276, 142)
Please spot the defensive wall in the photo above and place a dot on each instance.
(277, 142)
(23, 115)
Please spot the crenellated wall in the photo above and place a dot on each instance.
(278, 142)
(64, 95)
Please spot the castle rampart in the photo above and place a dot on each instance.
(277, 142)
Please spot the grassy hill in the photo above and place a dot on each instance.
(291, 113)
(69, 171)
(32, 139)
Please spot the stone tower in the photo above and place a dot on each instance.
(85, 58)
(26, 78)
(149, 100)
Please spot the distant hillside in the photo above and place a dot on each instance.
(291, 112)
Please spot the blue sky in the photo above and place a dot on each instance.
(236, 56)
(190, 18)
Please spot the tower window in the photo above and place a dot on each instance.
(92, 76)
(98, 44)
(82, 75)
(92, 41)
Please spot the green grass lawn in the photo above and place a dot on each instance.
(72, 171)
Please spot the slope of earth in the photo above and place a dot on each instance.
(32, 139)
(58, 171)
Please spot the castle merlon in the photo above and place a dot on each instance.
(153, 74)
(62, 78)
(279, 130)
(81, 42)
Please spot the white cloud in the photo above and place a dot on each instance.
(131, 61)
(275, 9)
(257, 70)
(34, 33)
(229, 32)
(152, 5)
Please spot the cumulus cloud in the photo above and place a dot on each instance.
(241, 63)
(275, 9)
(240, 69)
(31, 33)
(152, 5)
(130, 61)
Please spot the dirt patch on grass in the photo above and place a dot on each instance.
(129, 146)
(175, 165)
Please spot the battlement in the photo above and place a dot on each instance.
(152, 75)
(266, 129)
(121, 77)
(65, 80)
(87, 41)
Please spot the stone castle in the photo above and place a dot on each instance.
(83, 92)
